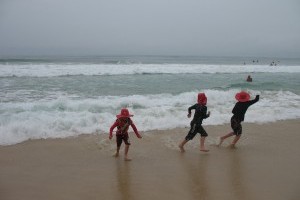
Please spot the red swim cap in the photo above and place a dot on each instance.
(202, 99)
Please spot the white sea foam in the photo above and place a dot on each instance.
(68, 117)
(50, 70)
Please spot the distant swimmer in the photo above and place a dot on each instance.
(273, 63)
(249, 79)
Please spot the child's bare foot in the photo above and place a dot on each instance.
(116, 154)
(181, 148)
(204, 150)
(220, 141)
(232, 146)
(127, 159)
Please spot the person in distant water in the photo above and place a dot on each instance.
(122, 123)
(249, 79)
(273, 63)
(196, 124)
(239, 112)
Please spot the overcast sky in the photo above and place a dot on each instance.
(150, 27)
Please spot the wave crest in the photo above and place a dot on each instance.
(51, 70)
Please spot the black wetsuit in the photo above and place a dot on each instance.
(239, 112)
(196, 127)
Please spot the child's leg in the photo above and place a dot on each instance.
(202, 148)
(224, 137)
(236, 139)
(191, 134)
(117, 152)
(237, 128)
(127, 144)
(126, 153)
(182, 144)
(119, 142)
(238, 132)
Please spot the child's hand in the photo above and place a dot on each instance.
(139, 136)
(110, 137)
(189, 115)
(208, 114)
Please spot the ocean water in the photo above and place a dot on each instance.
(66, 96)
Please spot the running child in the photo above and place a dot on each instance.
(196, 124)
(122, 123)
(239, 112)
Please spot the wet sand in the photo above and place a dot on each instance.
(265, 165)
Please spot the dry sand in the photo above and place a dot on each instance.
(265, 165)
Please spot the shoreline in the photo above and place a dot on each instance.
(264, 165)
(155, 131)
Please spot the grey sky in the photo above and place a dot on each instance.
(150, 27)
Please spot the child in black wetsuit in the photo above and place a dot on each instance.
(196, 124)
(239, 112)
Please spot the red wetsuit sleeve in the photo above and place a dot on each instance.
(135, 129)
(112, 128)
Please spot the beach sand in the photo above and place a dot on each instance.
(265, 165)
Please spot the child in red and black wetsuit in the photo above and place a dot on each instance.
(196, 124)
(239, 112)
(122, 123)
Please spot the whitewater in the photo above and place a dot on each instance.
(42, 100)
(72, 69)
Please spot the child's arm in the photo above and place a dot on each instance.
(208, 114)
(135, 130)
(235, 109)
(190, 110)
(111, 129)
(253, 101)
(205, 114)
